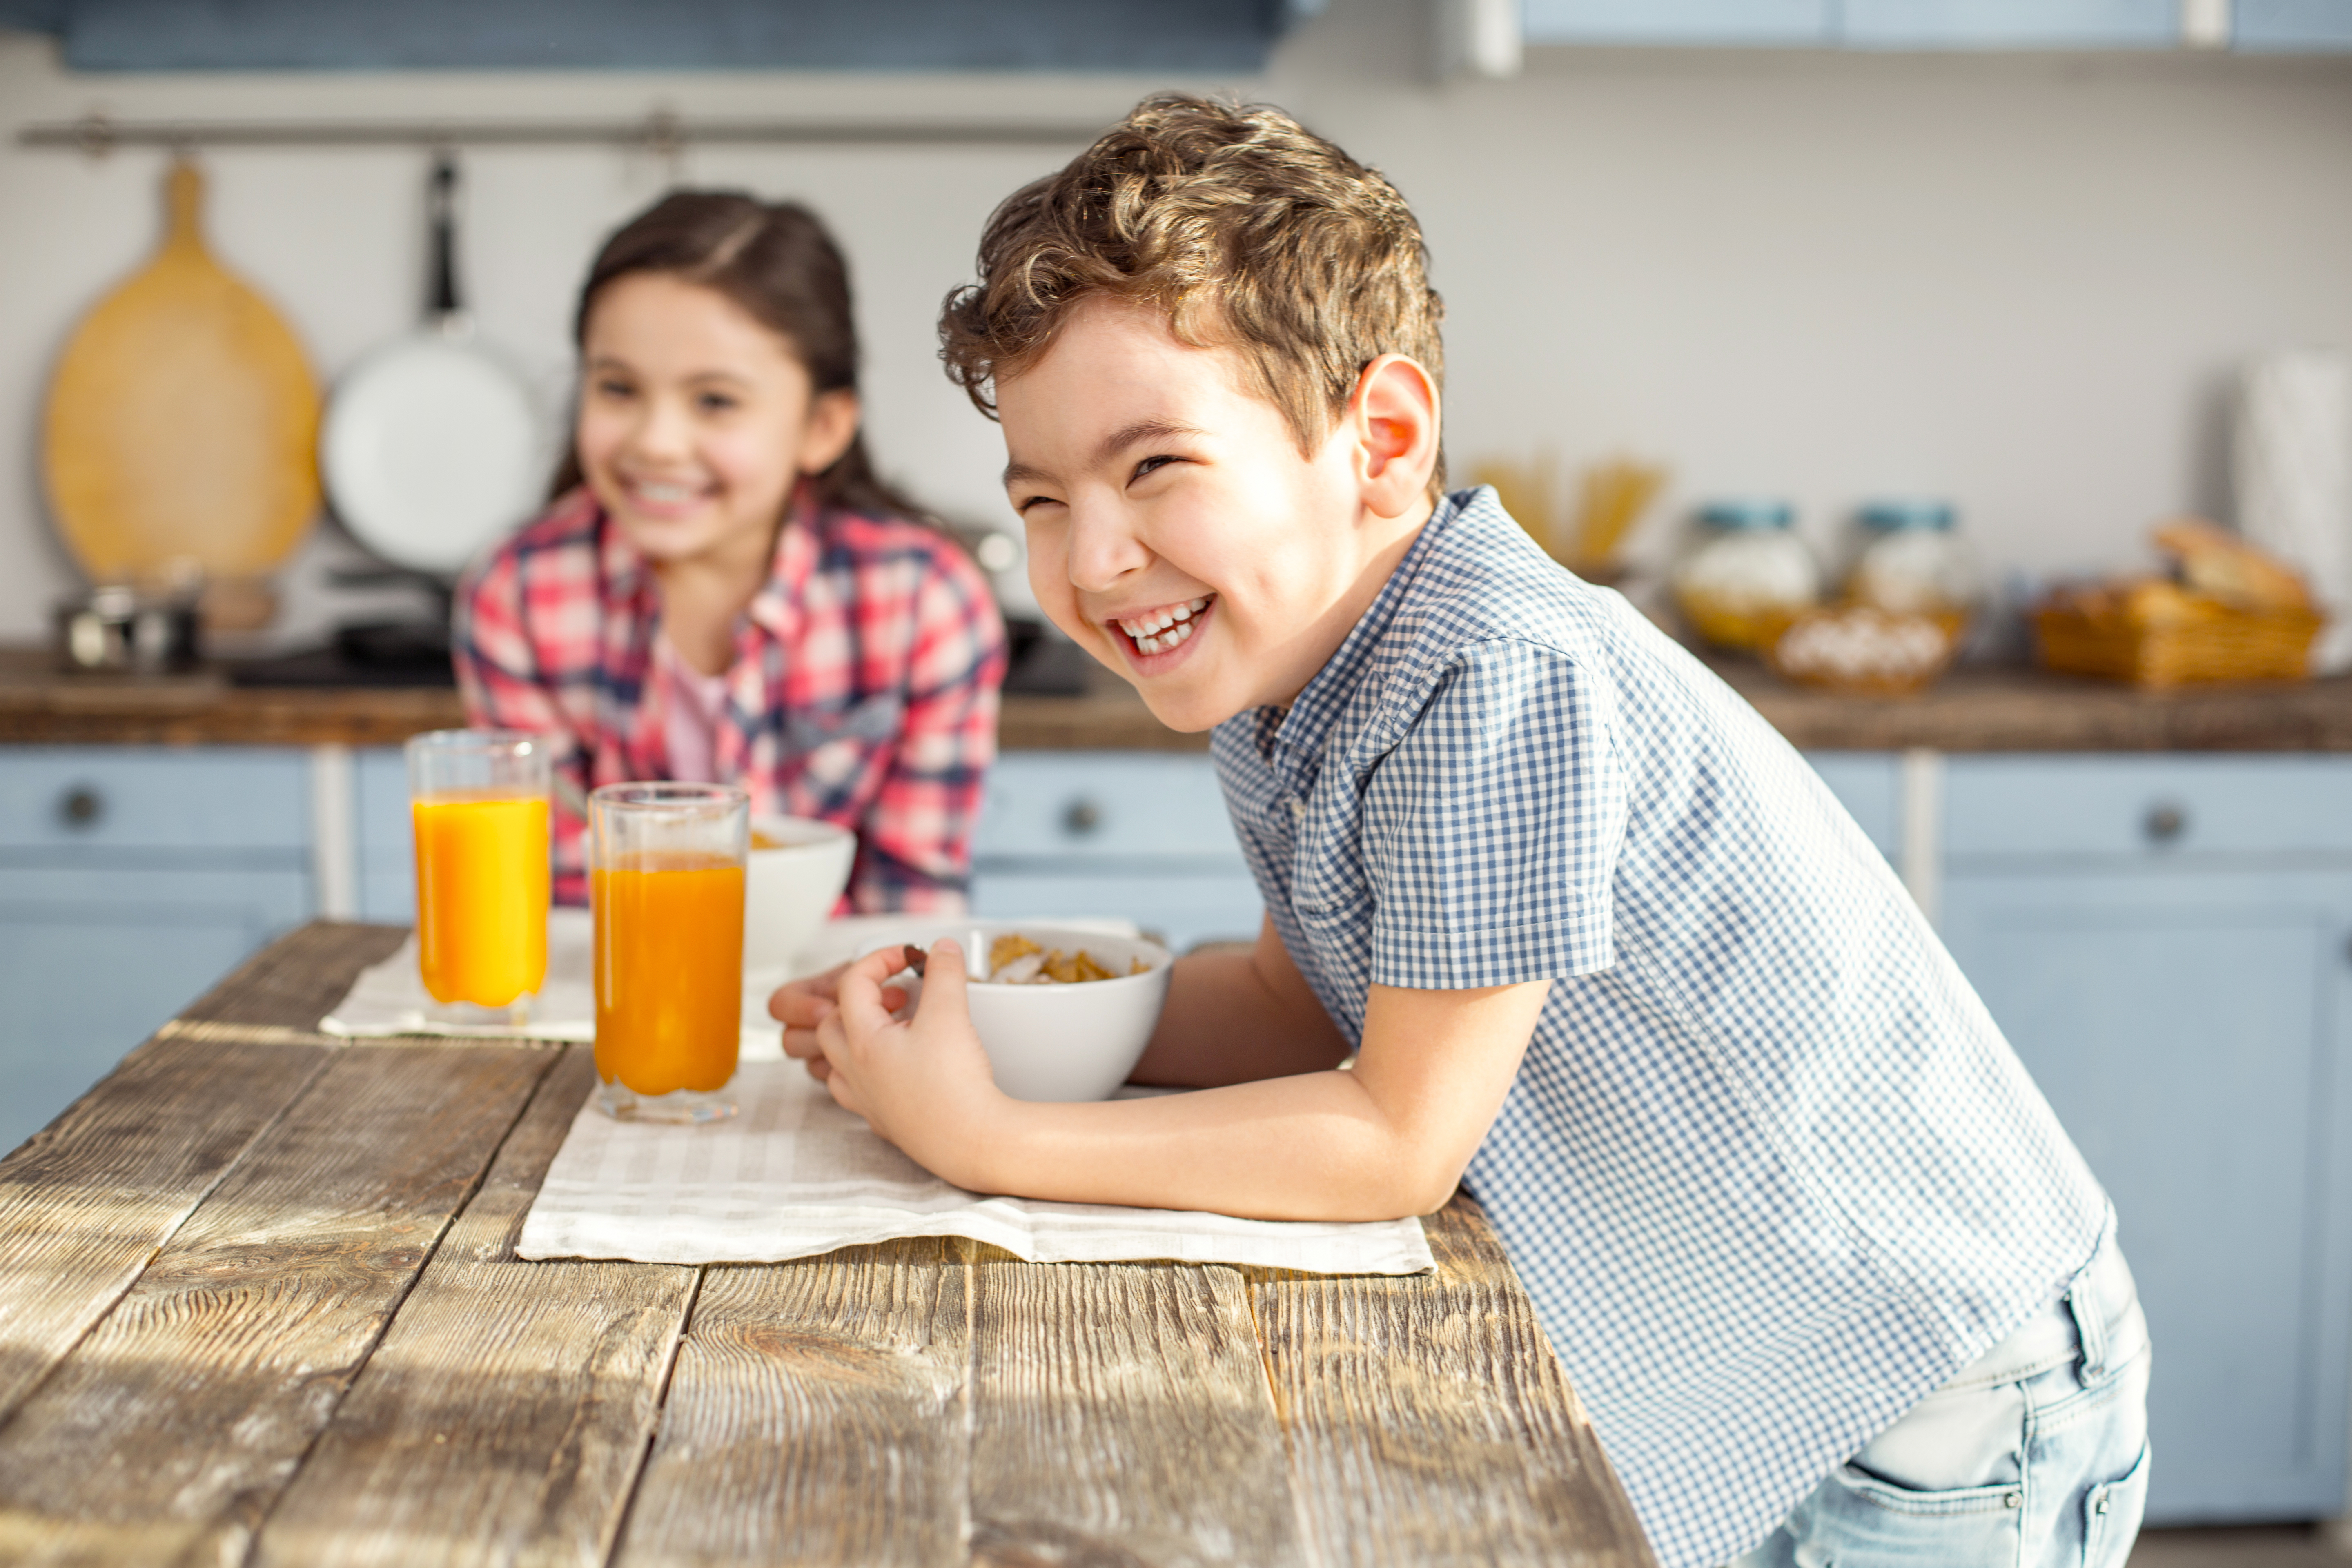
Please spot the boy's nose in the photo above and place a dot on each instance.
(1102, 551)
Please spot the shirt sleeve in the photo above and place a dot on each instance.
(914, 843)
(503, 688)
(1492, 830)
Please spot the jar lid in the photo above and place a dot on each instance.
(1748, 513)
(1895, 516)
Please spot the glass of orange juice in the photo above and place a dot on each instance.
(666, 886)
(478, 803)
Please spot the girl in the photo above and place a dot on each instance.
(720, 588)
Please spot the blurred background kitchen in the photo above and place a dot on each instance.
(2012, 272)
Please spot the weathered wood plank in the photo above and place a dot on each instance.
(817, 1414)
(293, 982)
(1120, 1416)
(169, 1431)
(85, 1202)
(504, 1415)
(1429, 1421)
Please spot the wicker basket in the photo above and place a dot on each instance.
(2219, 642)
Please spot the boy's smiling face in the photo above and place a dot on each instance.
(1175, 530)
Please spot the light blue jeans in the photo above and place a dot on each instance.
(2034, 1456)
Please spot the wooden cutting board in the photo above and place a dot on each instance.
(183, 421)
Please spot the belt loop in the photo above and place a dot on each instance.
(2090, 1325)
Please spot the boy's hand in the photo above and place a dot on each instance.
(803, 1005)
(921, 1082)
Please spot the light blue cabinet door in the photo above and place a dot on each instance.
(2286, 26)
(2011, 24)
(1869, 784)
(2193, 1028)
(93, 961)
(387, 856)
(1700, 22)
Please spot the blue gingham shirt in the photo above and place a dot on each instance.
(1768, 1170)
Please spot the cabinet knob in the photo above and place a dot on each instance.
(2164, 824)
(1082, 818)
(80, 807)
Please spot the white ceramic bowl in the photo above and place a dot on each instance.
(1059, 1042)
(789, 892)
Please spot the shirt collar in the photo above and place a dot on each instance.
(1299, 739)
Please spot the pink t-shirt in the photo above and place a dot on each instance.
(690, 732)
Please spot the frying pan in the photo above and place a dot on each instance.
(433, 447)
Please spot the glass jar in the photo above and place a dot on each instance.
(1746, 574)
(1914, 562)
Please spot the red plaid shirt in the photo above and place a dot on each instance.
(862, 691)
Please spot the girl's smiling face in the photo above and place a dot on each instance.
(1177, 531)
(697, 420)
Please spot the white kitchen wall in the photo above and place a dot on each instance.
(2019, 281)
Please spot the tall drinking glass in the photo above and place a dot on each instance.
(477, 803)
(666, 883)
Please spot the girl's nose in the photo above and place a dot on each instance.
(1103, 549)
(663, 431)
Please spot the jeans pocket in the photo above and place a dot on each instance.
(2111, 1514)
(1861, 1518)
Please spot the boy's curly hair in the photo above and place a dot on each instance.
(1249, 231)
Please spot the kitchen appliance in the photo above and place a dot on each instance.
(118, 628)
(433, 447)
(2291, 466)
(180, 432)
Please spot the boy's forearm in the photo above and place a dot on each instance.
(1315, 1146)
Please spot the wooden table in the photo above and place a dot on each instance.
(260, 1303)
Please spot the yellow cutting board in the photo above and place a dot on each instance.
(183, 422)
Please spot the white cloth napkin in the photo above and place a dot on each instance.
(792, 1174)
(390, 998)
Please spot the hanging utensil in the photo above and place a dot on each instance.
(433, 446)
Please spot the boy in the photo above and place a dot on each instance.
(1816, 1255)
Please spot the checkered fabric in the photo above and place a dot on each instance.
(1768, 1170)
(864, 689)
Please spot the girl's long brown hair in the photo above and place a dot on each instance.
(775, 262)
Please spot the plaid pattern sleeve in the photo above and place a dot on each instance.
(1767, 1168)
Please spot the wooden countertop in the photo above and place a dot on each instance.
(259, 1302)
(1969, 710)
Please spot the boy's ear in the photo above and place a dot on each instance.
(1394, 414)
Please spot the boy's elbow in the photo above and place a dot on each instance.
(1408, 1189)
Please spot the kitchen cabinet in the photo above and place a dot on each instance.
(2165, 942)
(385, 853)
(130, 880)
(2256, 25)
(2288, 27)
(1138, 833)
(2011, 23)
(1721, 23)
(1148, 35)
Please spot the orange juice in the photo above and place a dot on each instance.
(669, 971)
(482, 896)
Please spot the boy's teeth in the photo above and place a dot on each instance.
(1181, 632)
(1151, 627)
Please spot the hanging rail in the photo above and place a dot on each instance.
(661, 133)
